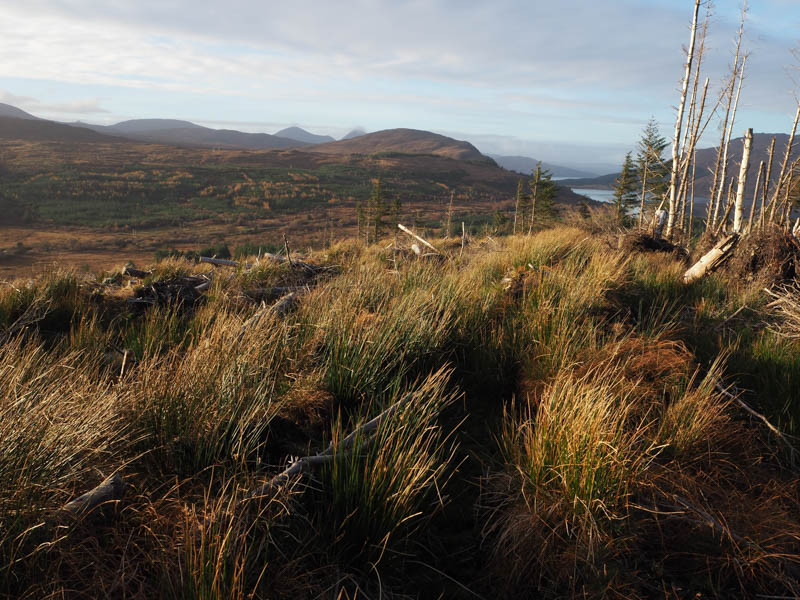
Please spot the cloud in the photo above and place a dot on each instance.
(77, 107)
(580, 68)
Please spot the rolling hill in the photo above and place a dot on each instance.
(39, 130)
(6, 110)
(301, 135)
(404, 141)
(525, 164)
(354, 133)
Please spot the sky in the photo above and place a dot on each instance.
(566, 81)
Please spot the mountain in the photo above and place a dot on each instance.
(185, 133)
(706, 159)
(40, 130)
(404, 141)
(149, 125)
(213, 138)
(301, 135)
(525, 164)
(6, 110)
(354, 133)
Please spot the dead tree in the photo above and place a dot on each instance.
(738, 213)
(673, 183)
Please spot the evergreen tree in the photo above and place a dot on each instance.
(652, 170)
(519, 205)
(360, 215)
(625, 188)
(376, 211)
(543, 191)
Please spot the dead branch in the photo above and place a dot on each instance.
(305, 463)
(406, 230)
(759, 416)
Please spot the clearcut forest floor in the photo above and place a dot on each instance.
(568, 425)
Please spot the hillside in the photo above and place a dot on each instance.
(6, 110)
(354, 133)
(405, 141)
(301, 135)
(525, 165)
(538, 416)
(39, 130)
(706, 161)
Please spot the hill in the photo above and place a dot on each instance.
(6, 110)
(706, 161)
(301, 135)
(405, 141)
(39, 130)
(354, 133)
(212, 138)
(525, 164)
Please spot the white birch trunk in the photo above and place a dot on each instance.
(673, 182)
(738, 213)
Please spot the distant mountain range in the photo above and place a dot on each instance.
(525, 164)
(20, 125)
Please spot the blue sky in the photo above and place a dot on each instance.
(569, 81)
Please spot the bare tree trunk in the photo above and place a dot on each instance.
(450, 215)
(755, 197)
(723, 222)
(673, 182)
(738, 213)
(766, 184)
(718, 184)
(691, 201)
(644, 191)
(782, 175)
(728, 136)
(516, 210)
(693, 129)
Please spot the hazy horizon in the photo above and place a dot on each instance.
(572, 83)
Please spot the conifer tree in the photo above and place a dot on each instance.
(651, 169)
(376, 210)
(625, 189)
(543, 191)
(519, 205)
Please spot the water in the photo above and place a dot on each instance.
(596, 194)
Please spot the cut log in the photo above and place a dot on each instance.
(110, 490)
(712, 259)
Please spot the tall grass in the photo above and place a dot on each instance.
(562, 435)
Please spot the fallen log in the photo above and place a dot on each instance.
(112, 489)
(137, 273)
(281, 308)
(712, 259)
(305, 463)
(223, 262)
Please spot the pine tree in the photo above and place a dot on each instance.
(625, 189)
(651, 169)
(376, 210)
(543, 191)
(360, 215)
(519, 205)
